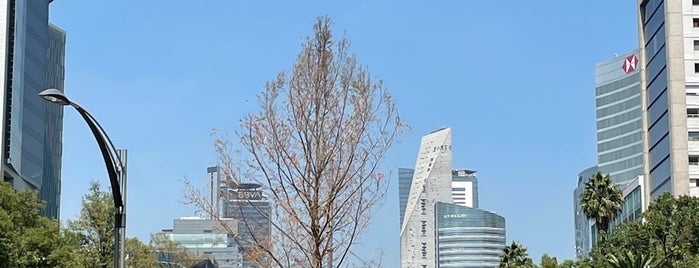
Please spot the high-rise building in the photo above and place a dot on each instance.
(619, 138)
(245, 203)
(51, 184)
(669, 64)
(32, 55)
(431, 184)
(468, 237)
(443, 227)
(464, 188)
(618, 109)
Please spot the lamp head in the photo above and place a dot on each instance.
(55, 96)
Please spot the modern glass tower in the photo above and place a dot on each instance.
(245, 203)
(468, 237)
(669, 60)
(32, 54)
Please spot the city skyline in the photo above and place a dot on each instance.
(518, 126)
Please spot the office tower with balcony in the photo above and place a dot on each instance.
(669, 64)
(33, 60)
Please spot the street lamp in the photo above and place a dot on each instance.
(114, 159)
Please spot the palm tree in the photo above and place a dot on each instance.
(515, 255)
(631, 260)
(601, 200)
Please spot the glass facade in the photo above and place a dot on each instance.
(618, 116)
(252, 214)
(653, 17)
(583, 239)
(468, 237)
(53, 136)
(32, 133)
(205, 238)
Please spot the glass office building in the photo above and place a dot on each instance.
(245, 203)
(468, 237)
(205, 238)
(33, 61)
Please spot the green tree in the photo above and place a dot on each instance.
(96, 226)
(139, 254)
(28, 239)
(548, 261)
(630, 260)
(567, 264)
(515, 255)
(601, 200)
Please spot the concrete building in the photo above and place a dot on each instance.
(468, 237)
(32, 54)
(206, 238)
(464, 188)
(431, 183)
(669, 63)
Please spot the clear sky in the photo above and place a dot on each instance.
(514, 80)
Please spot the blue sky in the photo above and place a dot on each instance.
(514, 80)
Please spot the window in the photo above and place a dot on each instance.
(693, 136)
(696, 45)
(695, 22)
(696, 67)
(693, 160)
(695, 2)
(694, 183)
(692, 112)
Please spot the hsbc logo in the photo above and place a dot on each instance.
(630, 64)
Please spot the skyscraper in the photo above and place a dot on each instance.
(431, 184)
(464, 188)
(619, 138)
(669, 64)
(32, 54)
(443, 226)
(245, 203)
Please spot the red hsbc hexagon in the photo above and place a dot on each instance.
(630, 64)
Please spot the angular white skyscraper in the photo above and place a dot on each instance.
(431, 184)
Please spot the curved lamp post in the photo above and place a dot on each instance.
(114, 160)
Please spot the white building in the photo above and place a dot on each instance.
(431, 183)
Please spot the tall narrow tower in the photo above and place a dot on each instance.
(431, 184)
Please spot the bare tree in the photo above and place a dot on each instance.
(316, 146)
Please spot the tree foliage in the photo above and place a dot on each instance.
(669, 236)
(601, 201)
(316, 144)
(515, 255)
(96, 227)
(28, 239)
(139, 254)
